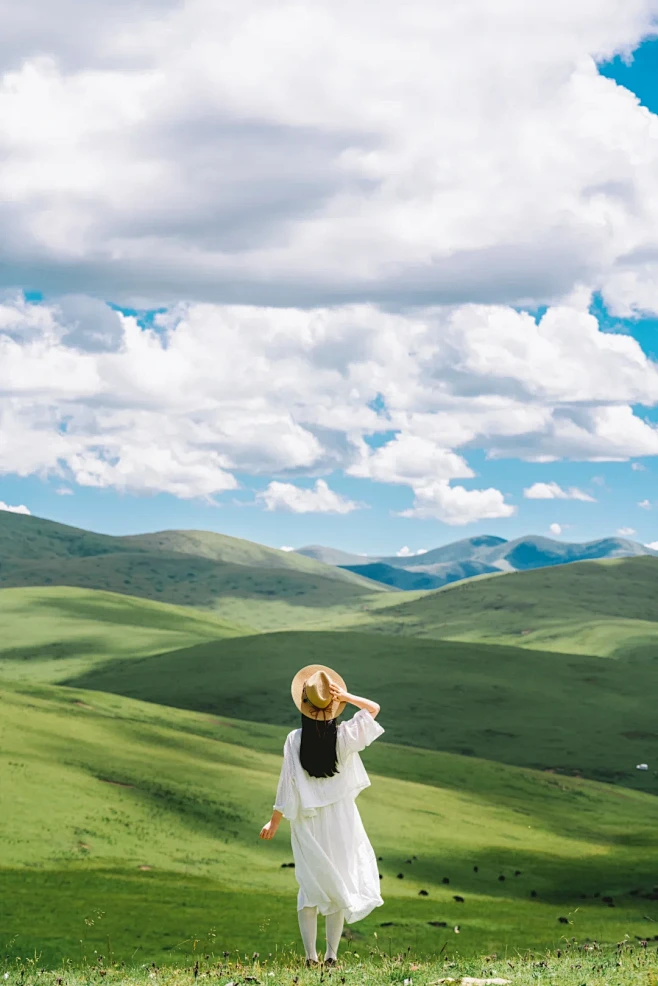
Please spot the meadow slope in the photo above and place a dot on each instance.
(602, 607)
(53, 632)
(244, 583)
(587, 714)
(134, 828)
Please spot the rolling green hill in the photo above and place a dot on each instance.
(53, 632)
(134, 828)
(535, 709)
(27, 538)
(602, 607)
(244, 583)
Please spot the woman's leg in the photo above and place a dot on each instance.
(334, 931)
(308, 925)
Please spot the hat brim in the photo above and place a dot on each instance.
(297, 687)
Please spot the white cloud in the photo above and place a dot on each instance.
(287, 496)
(63, 491)
(653, 545)
(410, 459)
(456, 505)
(552, 491)
(406, 552)
(555, 529)
(645, 504)
(285, 547)
(626, 532)
(187, 149)
(638, 467)
(22, 509)
(166, 411)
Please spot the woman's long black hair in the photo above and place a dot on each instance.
(318, 750)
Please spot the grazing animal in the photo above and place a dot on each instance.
(387, 924)
(408, 861)
(380, 858)
(501, 877)
(460, 900)
(400, 876)
(563, 920)
(517, 872)
(533, 893)
(423, 893)
(607, 900)
(381, 877)
(475, 869)
(438, 924)
(445, 880)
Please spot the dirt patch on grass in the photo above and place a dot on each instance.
(106, 780)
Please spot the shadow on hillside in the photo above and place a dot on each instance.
(57, 650)
(185, 580)
(121, 609)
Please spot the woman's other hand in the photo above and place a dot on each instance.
(269, 831)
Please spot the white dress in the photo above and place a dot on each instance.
(335, 864)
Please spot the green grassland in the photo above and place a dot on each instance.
(606, 608)
(135, 827)
(140, 746)
(573, 964)
(53, 632)
(245, 584)
(572, 713)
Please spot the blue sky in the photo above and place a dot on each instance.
(222, 452)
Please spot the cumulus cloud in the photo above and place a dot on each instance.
(638, 467)
(645, 504)
(552, 491)
(22, 509)
(210, 392)
(320, 499)
(555, 529)
(357, 296)
(286, 547)
(456, 505)
(217, 152)
(653, 545)
(626, 532)
(406, 552)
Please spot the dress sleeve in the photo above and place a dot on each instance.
(286, 793)
(360, 731)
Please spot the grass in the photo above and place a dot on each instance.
(149, 817)
(605, 608)
(132, 825)
(551, 711)
(50, 633)
(245, 583)
(266, 598)
(573, 964)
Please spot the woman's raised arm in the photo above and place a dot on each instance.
(361, 703)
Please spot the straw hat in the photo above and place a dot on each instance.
(310, 692)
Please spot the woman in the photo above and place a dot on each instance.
(322, 774)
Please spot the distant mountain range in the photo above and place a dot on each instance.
(481, 555)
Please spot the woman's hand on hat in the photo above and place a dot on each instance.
(337, 693)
